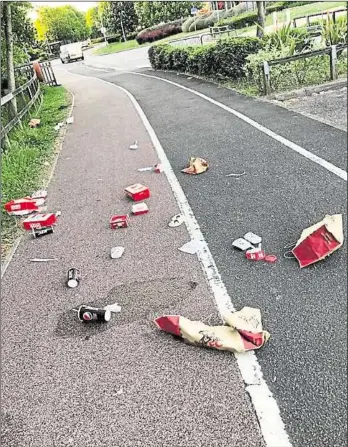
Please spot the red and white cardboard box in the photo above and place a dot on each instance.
(138, 192)
(255, 254)
(158, 168)
(140, 208)
(120, 221)
(40, 221)
(21, 207)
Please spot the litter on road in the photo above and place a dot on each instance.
(134, 146)
(119, 221)
(318, 241)
(149, 168)
(191, 247)
(73, 278)
(236, 175)
(43, 259)
(176, 221)
(242, 244)
(114, 308)
(255, 254)
(196, 166)
(34, 122)
(70, 120)
(116, 252)
(242, 333)
(88, 314)
(158, 168)
(253, 238)
(140, 208)
(138, 192)
(39, 221)
(38, 232)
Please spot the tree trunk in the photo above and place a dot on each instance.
(260, 19)
(9, 55)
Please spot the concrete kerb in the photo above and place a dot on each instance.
(58, 149)
(307, 91)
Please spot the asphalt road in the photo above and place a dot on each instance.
(125, 383)
(281, 194)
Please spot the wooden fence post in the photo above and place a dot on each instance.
(266, 78)
(333, 62)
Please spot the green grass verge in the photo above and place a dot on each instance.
(26, 164)
(117, 47)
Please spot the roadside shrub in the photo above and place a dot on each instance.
(241, 21)
(114, 38)
(159, 31)
(186, 25)
(225, 59)
(296, 39)
(291, 75)
(280, 6)
(97, 40)
(335, 33)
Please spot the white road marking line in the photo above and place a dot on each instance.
(295, 147)
(266, 407)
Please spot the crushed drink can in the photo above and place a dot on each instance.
(38, 232)
(73, 279)
(158, 168)
(89, 314)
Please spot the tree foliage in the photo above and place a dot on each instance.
(119, 17)
(153, 13)
(93, 22)
(22, 30)
(63, 23)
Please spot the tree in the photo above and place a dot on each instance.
(63, 23)
(9, 55)
(152, 13)
(119, 17)
(260, 19)
(93, 21)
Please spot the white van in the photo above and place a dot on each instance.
(71, 52)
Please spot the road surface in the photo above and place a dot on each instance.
(144, 388)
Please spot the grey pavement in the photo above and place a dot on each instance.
(281, 194)
(125, 383)
(329, 107)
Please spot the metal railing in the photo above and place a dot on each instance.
(332, 51)
(201, 39)
(322, 15)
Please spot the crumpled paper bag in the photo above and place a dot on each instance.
(243, 333)
(196, 166)
(319, 241)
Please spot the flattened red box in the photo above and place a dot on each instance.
(21, 206)
(138, 192)
(121, 221)
(39, 221)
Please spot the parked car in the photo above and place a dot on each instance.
(71, 52)
(86, 44)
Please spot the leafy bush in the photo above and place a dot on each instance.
(159, 31)
(335, 33)
(297, 39)
(250, 18)
(225, 59)
(294, 74)
(186, 25)
(241, 21)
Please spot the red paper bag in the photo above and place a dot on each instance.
(319, 241)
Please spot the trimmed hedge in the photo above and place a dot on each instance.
(250, 18)
(159, 31)
(225, 59)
